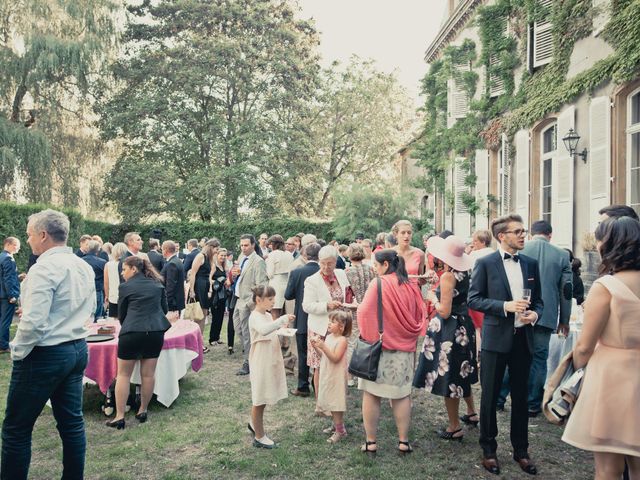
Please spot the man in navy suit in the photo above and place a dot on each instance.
(97, 264)
(9, 289)
(192, 246)
(295, 291)
(496, 289)
(173, 275)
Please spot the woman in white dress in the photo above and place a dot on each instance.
(112, 279)
(279, 264)
(266, 367)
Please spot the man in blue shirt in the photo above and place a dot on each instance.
(9, 289)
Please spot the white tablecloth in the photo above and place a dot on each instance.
(173, 364)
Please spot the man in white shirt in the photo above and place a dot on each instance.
(481, 244)
(49, 350)
(497, 290)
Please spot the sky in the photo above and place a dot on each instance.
(394, 33)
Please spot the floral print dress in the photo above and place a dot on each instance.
(448, 365)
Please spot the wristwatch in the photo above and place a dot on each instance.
(13, 300)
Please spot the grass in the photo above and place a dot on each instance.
(203, 436)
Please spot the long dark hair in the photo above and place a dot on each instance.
(143, 266)
(620, 244)
(396, 263)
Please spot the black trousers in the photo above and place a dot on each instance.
(231, 333)
(303, 369)
(491, 374)
(217, 316)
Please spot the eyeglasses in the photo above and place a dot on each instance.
(518, 232)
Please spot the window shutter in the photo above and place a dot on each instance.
(522, 174)
(448, 225)
(599, 158)
(543, 39)
(458, 100)
(602, 15)
(482, 189)
(461, 216)
(505, 177)
(562, 184)
(496, 83)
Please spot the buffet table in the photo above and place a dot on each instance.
(182, 349)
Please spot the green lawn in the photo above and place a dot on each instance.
(203, 435)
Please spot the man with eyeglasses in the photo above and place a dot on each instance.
(499, 285)
(557, 291)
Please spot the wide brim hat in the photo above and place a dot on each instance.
(450, 250)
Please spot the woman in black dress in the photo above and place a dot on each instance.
(218, 294)
(142, 309)
(199, 279)
(447, 365)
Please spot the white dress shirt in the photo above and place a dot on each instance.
(514, 276)
(59, 298)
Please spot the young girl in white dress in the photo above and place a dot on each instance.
(266, 367)
(332, 395)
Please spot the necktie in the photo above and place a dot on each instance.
(515, 258)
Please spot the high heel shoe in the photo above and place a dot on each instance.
(117, 424)
(445, 435)
(141, 417)
(466, 419)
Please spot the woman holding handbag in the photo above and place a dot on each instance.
(403, 321)
(218, 294)
(199, 281)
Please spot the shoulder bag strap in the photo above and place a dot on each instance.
(380, 307)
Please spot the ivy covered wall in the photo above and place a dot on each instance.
(528, 97)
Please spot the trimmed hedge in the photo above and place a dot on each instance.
(13, 222)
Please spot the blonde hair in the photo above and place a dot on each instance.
(396, 226)
(118, 250)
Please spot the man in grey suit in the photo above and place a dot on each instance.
(557, 288)
(250, 272)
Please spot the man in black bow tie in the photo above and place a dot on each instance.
(498, 285)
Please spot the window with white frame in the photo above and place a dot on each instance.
(633, 150)
(457, 97)
(540, 48)
(549, 140)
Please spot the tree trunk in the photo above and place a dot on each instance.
(17, 102)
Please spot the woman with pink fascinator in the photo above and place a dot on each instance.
(447, 365)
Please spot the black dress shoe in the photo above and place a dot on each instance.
(117, 424)
(141, 417)
(244, 370)
(491, 465)
(500, 408)
(533, 414)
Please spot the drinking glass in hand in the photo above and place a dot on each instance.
(526, 294)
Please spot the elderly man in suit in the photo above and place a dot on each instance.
(295, 291)
(497, 289)
(9, 289)
(173, 275)
(557, 289)
(250, 272)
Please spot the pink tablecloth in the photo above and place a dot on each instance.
(103, 357)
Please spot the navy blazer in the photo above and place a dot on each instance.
(142, 306)
(97, 264)
(173, 275)
(189, 258)
(488, 291)
(9, 283)
(156, 259)
(295, 291)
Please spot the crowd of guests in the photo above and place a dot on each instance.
(486, 308)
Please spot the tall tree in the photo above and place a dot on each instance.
(50, 54)
(210, 101)
(361, 119)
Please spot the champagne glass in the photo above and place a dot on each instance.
(526, 294)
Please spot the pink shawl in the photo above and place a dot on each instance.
(403, 316)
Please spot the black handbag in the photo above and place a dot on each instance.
(366, 355)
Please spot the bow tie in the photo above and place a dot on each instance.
(515, 258)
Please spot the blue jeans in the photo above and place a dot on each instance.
(6, 317)
(538, 372)
(99, 305)
(46, 373)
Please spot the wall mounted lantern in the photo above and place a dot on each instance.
(571, 140)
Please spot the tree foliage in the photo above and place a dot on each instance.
(210, 94)
(50, 53)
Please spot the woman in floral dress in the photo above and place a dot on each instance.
(448, 364)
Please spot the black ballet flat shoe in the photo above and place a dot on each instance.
(369, 452)
(141, 417)
(402, 452)
(466, 419)
(445, 435)
(117, 424)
